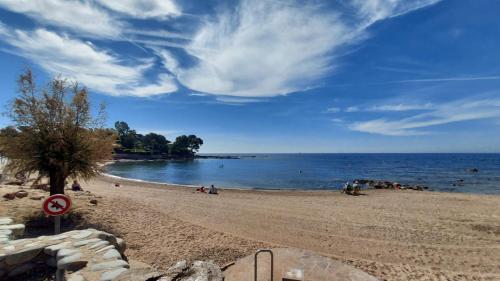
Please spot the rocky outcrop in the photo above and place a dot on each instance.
(377, 184)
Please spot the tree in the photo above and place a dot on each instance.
(128, 138)
(194, 143)
(155, 143)
(186, 146)
(55, 133)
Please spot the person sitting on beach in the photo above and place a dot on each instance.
(76, 186)
(201, 189)
(356, 187)
(212, 190)
(347, 189)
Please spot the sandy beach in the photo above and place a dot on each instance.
(395, 235)
(392, 234)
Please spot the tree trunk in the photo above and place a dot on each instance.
(57, 180)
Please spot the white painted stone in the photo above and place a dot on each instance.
(112, 274)
(58, 237)
(23, 255)
(9, 248)
(18, 241)
(108, 265)
(73, 262)
(6, 231)
(85, 242)
(105, 248)
(5, 220)
(83, 234)
(52, 250)
(75, 277)
(66, 252)
(32, 244)
(99, 245)
(111, 254)
(17, 229)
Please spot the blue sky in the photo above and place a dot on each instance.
(274, 76)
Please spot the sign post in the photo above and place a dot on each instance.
(57, 205)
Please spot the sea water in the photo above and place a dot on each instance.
(440, 172)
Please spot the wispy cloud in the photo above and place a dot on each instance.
(371, 11)
(352, 109)
(457, 111)
(260, 48)
(238, 100)
(96, 68)
(269, 48)
(143, 8)
(401, 107)
(333, 110)
(447, 79)
(80, 16)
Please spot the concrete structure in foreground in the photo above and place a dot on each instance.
(294, 264)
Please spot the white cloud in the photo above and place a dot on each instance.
(97, 69)
(401, 107)
(458, 111)
(371, 11)
(352, 109)
(143, 8)
(238, 100)
(80, 16)
(267, 48)
(333, 110)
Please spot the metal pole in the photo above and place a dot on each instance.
(57, 224)
(57, 230)
(60, 275)
(255, 263)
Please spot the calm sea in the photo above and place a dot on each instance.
(440, 172)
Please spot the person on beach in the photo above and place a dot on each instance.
(356, 187)
(76, 186)
(212, 190)
(347, 188)
(201, 189)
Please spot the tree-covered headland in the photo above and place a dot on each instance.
(131, 142)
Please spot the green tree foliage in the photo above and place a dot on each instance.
(54, 132)
(128, 138)
(186, 146)
(156, 144)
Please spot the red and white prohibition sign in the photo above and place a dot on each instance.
(56, 205)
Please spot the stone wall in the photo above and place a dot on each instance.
(86, 255)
